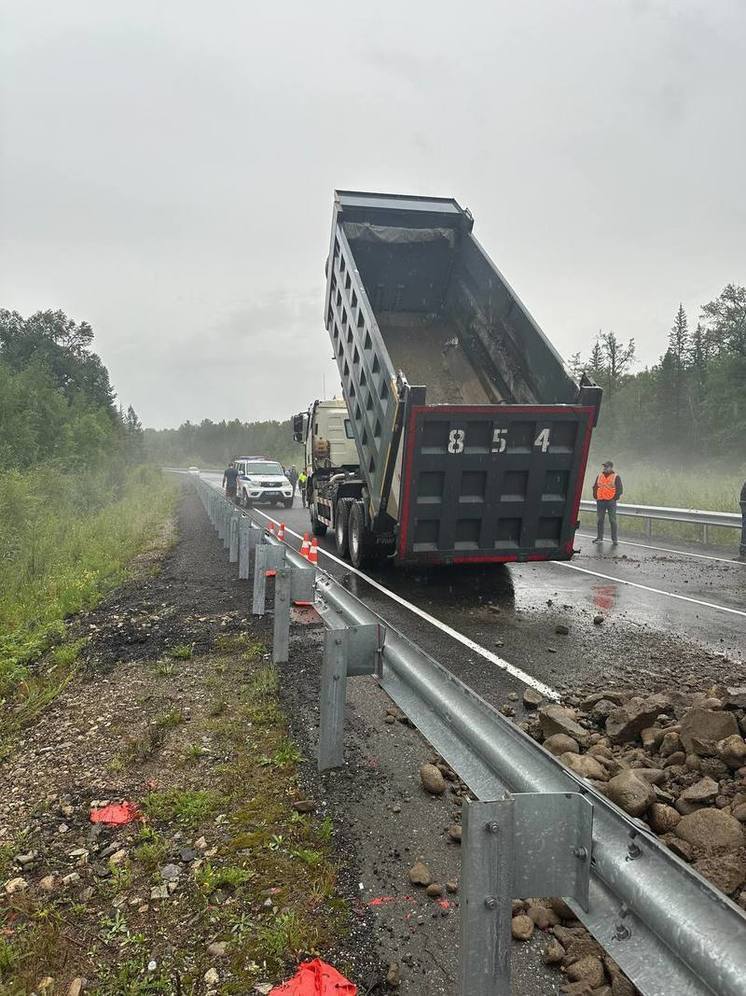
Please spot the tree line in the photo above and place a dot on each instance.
(57, 405)
(213, 444)
(692, 402)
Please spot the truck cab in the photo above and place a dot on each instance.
(261, 480)
(330, 458)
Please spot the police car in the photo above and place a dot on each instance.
(261, 480)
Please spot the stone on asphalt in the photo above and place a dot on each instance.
(625, 723)
(702, 729)
(553, 953)
(711, 829)
(432, 779)
(531, 698)
(663, 818)
(727, 872)
(703, 792)
(632, 794)
(522, 927)
(732, 750)
(585, 765)
(555, 718)
(589, 969)
(559, 744)
(419, 874)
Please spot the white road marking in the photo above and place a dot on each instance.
(477, 648)
(655, 591)
(664, 549)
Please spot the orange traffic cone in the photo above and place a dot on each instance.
(313, 553)
(281, 532)
(271, 527)
(305, 546)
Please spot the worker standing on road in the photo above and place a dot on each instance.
(292, 476)
(230, 481)
(302, 481)
(607, 490)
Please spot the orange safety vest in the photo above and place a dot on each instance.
(606, 487)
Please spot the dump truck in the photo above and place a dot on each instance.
(471, 438)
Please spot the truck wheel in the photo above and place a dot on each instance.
(341, 525)
(317, 528)
(246, 500)
(359, 536)
(288, 503)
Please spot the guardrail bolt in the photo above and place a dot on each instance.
(580, 852)
(493, 827)
(491, 903)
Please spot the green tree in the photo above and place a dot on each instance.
(726, 319)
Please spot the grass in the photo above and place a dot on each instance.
(181, 652)
(152, 849)
(266, 883)
(64, 542)
(708, 487)
(170, 719)
(188, 807)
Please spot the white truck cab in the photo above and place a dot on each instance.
(262, 480)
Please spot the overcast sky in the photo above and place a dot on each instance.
(167, 169)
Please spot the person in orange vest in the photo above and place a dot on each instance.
(607, 490)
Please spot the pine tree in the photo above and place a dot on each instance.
(134, 436)
(678, 351)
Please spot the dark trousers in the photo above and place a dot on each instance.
(602, 507)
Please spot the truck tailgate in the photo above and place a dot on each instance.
(492, 482)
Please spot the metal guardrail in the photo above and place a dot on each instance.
(538, 830)
(697, 517)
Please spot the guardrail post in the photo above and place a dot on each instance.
(233, 537)
(281, 634)
(227, 515)
(526, 844)
(742, 548)
(649, 528)
(486, 898)
(333, 695)
(260, 580)
(244, 529)
(705, 533)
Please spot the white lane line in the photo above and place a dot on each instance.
(655, 591)
(477, 648)
(665, 549)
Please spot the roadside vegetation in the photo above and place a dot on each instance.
(227, 878)
(675, 430)
(76, 501)
(689, 408)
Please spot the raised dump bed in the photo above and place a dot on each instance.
(472, 437)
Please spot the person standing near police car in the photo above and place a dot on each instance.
(230, 481)
(607, 490)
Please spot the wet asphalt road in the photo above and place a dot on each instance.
(668, 616)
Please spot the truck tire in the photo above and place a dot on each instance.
(288, 503)
(317, 528)
(341, 525)
(360, 538)
(246, 500)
